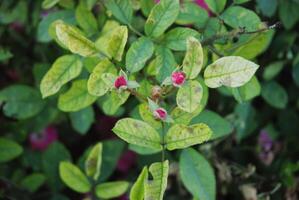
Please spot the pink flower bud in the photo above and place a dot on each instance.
(178, 78)
(40, 141)
(120, 82)
(160, 113)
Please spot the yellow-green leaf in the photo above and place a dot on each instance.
(161, 17)
(137, 132)
(74, 40)
(231, 71)
(148, 117)
(114, 100)
(73, 177)
(189, 96)
(86, 20)
(64, 69)
(180, 136)
(93, 162)
(49, 3)
(139, 52)
(137, 191)
(76, 98)
(111, 190)
(193, 60)
(154, 189)
(96, 85)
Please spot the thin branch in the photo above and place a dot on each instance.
(215, 51)
(237, 32)
(137, 94)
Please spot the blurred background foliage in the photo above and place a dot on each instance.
(255, 157)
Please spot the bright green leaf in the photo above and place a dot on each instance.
(74, 40)
(155, 188)
(146, 6)
(148, 116)
(231, 71)
(93, 162)
(161, 17)
(49, 3)
(9, 150)
(248, 91)
(164, 64)
(176, 39)
(180, 136)
(76, 98)
(137, 191)
(191, 13)
(189, 96)
(111, 190)
(219, 126)
(237, 16)
(73, 177)
(197, 175)
(137, 132)
(64, 69)
(86, 20)
(96, 85)
(137, 55)
(121, 9)
(193, 60)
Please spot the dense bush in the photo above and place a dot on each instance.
(145, 99)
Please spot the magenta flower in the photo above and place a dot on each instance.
(267, 148)
(121, 82)
(160, 113)
(178, 78)
(126, 162)
(40, 141)
(204, 5)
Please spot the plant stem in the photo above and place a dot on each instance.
(137, 94)
(135, 31)
(163, 143)
(237, 32)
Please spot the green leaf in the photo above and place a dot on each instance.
(94, 161)
(74, 40)
(9, 150)
(219, 126)
(155, 188)
(137, 132)
(189, 96)
(64, 69)
(191, 13)
(216, 5)
(272, 70)
(161, 17)
(267, 7)
(236, 17)
(51, 158)
(21, 101)
(5, 55)
(137, 55)
(176, 39)
(148, 117)
(295, 73)
(275, 95)
(112, 150)
(86, 20)
(137, 191)
(193, 60)
(230, 71)
(76, 98)
(146, 6)
(43, 29)
(288, 13)
(111, 190)
(82, 120)
(49, 3)
(73, 177)
(245, 120)
(164, 64)
(33, 182)
(240, 1)
(118, 42)
(248, 91)
(113, 102)
(197, 175)
(180, 136)
(121, 9)
(96, 85)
